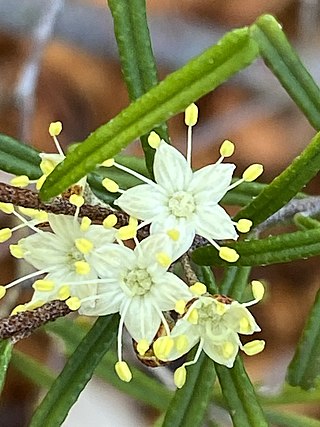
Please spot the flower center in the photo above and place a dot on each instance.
(138, 281)
(181, 204)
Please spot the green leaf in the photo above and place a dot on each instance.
(305, 222)
(77, 372)
(304, 369)
(240, 396)
(206, 276)
(136, 56)
(286, 65)
(142, 387)
(18, 158)
(234, 52)
(189, 404)
(5, 356)
(285, 419)
(32, 369)
(272, 250)
(235, 281)
(285, 186)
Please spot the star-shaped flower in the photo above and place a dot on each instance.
(184, 201)
(214, 322)
(136, 284)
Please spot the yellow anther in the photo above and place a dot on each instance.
(154, 140)
(27, 211)
(221, 308)
(133, 222)
(252, 172)
(142, 347)
(127, 232)
(40, 181)
(18, 309)
(64, 292)
(73, 303)
(85, 223)
(257, 290)
(193, 317)
(47, 166)
(227, 148)
(43, 285)
(244, 225)
(85, 246)
(76, 200)
(82, 267)
(198, 288)
(163, 259)
(180, 376)
(162, 347)
(5, 234)
(228, 349)
(110, 185)
(174, 234)
(7, 208)
(254, 347)
(181, 343)
(123, 371)
(245, 327)
(191, 115)
(108, 163)
(16, 251)
(3, 291)
(110, 221)
(180, 306)
(20, 181)
(228, 254)
(55, 128)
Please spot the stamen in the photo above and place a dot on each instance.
(82, 267)
(76, 200)
(228, 254)
(136, 174)
(180, 376)
(252, 172)
(47, 166)
(154, 140)
(227, 148)
(162, 347)
(163, 319)
(163, 259)
(257, 290)
(108, 163)
(198, 288)
(120, 330)
(245, 326)
(16, 251)
(142, 347)
(110, 221)
(110, 185)
(253, 347)
(28, 276)
(20, 181)
(43, 285)
(18, 309)
(5, 234)
(123, 371)
(7, 208)
(228, 349)
(25, 223)
(190, 119)
(64, 292)
(133, 222)
(40, 182)
(196, 357)
(85, 223)
(174, 234)
(193, 316)
(126, 232)
(244, 225)
(3, 291)
(180, 306)
(85, 246)
(55, 129)
(74, 303)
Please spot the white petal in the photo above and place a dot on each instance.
(65, 227)
(234, 315)
(214, 222)
(143, 201)
(185, 328)
(109, 299)
(111, 260)
(211, 182)
(169, 290)
(215, 350)
(142, 319)
(100, 236)
(171, 169)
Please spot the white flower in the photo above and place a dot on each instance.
(70, 255)
(214, 322)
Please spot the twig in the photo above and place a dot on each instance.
(22, 325)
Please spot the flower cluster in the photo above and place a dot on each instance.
(90, 268)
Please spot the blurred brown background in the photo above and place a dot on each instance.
(77, 80)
